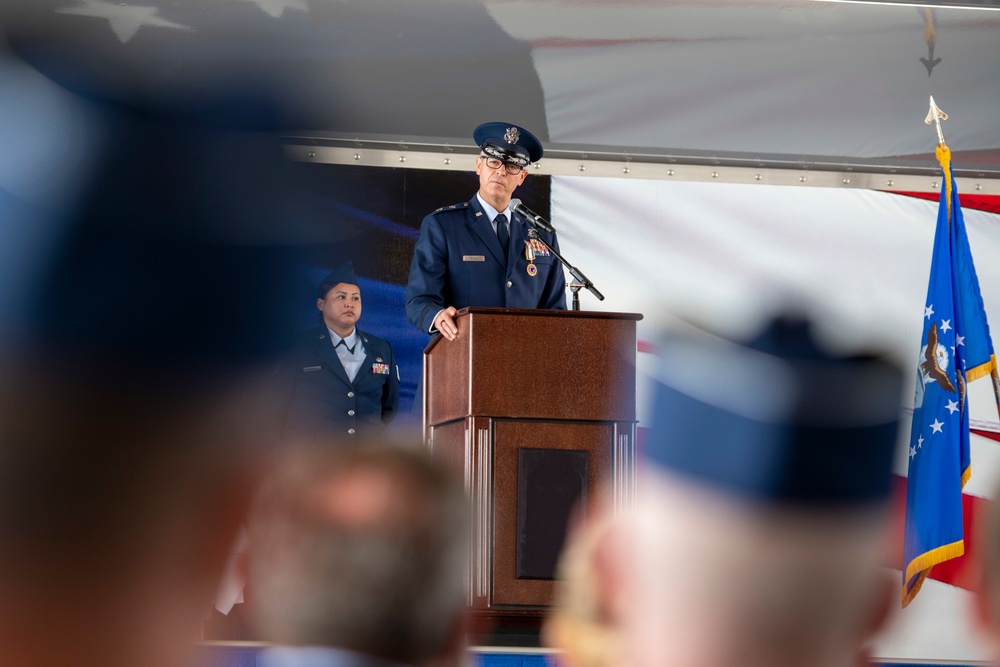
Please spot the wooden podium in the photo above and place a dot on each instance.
(536, 409)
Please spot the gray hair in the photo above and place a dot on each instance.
(363, 549)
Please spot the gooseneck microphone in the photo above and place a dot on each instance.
(537, 223)
(533, 218)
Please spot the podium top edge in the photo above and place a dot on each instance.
(538, 312)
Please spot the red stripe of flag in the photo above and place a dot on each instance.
(988, 203)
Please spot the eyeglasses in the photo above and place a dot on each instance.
(496, 163)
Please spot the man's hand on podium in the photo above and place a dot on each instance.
(445, 323)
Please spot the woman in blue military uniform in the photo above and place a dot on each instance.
(345, 381)
(478, 253)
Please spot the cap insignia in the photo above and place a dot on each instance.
(512, 135)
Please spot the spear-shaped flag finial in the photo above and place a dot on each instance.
(935, 115)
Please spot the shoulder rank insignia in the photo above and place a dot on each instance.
(380, 369)
(453, 207)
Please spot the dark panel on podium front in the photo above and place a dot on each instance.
(550, 482)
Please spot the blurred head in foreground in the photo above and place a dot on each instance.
(987, 595)
(585, 624)
(362, 550)
(761, 521)
(139, 317)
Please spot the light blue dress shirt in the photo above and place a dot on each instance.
(351, 360)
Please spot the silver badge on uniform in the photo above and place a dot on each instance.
(512, 135)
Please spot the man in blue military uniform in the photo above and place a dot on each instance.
(479, 253)
(346, 384)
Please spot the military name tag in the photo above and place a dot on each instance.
(380, 369)
(473, 258)
(311, 369)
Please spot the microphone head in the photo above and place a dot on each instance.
(534, 218)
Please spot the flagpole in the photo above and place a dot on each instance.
(943, 153)
(939, 453)
(996, 385)
(935, 115)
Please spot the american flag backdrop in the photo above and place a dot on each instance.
(725, 255)
(709, 78)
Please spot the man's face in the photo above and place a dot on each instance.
(341, 308)
(496, 185)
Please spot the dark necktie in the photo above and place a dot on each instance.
(502, 234)
(343, 342)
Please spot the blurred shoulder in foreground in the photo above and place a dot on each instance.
(147, 273)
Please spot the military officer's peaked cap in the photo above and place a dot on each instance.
(776, 420)
(510, 140)
(342, 274)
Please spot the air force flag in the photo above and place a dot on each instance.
(955, 349)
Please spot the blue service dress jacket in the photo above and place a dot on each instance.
(325, 404)
(458, 262)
